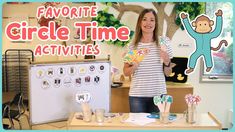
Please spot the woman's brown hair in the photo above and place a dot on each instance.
(138, 31)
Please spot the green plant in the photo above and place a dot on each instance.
(192, 8)
(106, 19)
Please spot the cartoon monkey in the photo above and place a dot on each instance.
(202, 35)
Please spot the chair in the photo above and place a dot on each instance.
(17, 109)
(6, 114)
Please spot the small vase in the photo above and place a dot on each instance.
(191, 114)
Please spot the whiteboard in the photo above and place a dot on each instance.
(53, 88)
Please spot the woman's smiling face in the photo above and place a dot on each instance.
(148, 23)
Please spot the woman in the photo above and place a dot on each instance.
(148, 77)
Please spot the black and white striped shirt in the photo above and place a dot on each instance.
(148, 79)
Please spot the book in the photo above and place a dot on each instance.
(135, 56)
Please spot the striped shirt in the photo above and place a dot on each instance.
(148, 79)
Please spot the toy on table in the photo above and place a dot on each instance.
(192, 101)
(171, 117)
(164, 104)
(83, 97)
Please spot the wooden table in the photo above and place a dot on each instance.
(120, 97)
(205, 121)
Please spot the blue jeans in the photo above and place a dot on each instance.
(142, 105)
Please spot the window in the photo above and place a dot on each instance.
(223, 59)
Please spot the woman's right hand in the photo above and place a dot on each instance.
(134, 66)
(129, 69)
